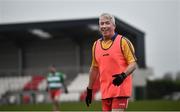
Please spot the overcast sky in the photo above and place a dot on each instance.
(159, 19)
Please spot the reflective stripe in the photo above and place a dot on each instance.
(53, 78)
(55, 85)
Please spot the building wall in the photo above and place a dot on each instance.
(8, 58)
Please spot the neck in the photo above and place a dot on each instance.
(105, 38)
(53, 72)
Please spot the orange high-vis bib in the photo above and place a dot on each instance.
(111, 61)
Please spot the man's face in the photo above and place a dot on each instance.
(106, 27)
(52, 69)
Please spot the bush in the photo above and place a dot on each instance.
(159, 88)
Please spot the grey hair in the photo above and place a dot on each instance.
(109, 17)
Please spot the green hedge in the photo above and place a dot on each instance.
(157, 89)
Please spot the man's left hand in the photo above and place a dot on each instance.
(119, 78)
(66, 91)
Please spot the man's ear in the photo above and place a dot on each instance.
(114, 27)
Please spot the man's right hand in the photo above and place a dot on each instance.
(88, 97)
(47, 89)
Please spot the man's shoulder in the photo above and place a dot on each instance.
(125, 39)
(97, 41)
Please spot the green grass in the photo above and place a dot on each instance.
(158, 105)
(154, 105)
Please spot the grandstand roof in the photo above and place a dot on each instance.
(20, 33)
(71, 28)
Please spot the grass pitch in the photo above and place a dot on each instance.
(154, 105)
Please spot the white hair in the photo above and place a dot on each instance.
(109, 17)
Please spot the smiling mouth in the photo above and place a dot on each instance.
(104, 30)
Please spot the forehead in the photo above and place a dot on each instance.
(104, 19)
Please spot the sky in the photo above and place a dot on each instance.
(159, 19)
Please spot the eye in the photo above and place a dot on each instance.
(107, 22)
(102, 23)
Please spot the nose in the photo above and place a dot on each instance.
(103, 26)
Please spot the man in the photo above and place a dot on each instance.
(113, 60)
(55, 82)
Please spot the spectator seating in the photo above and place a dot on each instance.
(76, 88)
(13, 83)
(34, 82)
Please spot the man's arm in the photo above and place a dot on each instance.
(47, 83)
(129, 54)
(63, 83)
(93, 74)
(130, 68)
(65, 87)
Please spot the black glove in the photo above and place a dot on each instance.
(47, 89)
(88, 97)
(66, 91)
(119, 78)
